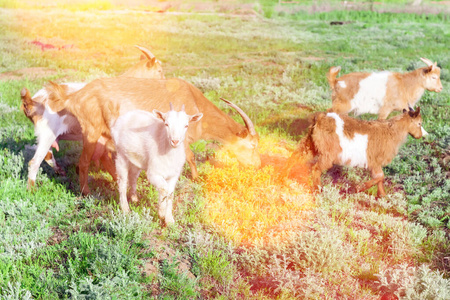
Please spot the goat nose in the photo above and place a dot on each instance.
(175, 142)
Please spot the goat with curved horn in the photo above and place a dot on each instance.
(148, 67)
(125, 94)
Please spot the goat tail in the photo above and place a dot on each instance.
(57, 96)
(305, 151)
(331, 76)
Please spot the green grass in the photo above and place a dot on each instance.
(55, 244)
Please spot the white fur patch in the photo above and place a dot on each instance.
(342, 84)
(371, 93)
(354, 151)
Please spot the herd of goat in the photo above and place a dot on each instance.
(142, 121)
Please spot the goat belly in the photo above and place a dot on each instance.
(354, 150)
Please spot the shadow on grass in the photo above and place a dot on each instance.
(294, 122)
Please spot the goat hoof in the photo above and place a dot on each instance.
(169, 221)
(134, 199)
(85, 192)
(31, 185)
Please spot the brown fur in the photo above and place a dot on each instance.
(98, 105)
(403, 89)
(384, 140)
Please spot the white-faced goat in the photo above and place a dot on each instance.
(381, 92)
(342, 140)
(153, 142)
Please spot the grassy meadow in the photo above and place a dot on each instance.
(239, 233)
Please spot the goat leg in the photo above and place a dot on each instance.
(133, 174)
(384, 112)
(108, 163)
(122, 182)
(377, 178)
(83, 165)
(45, 141)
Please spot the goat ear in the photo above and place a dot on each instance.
(242, 134)
(428, 69)
(150, 63)
(404, 110)
(26, 100)
(414, 114)
(159, 115)
(195, 117)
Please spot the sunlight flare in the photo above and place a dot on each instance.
(248, 205)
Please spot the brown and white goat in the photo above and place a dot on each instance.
(51, 127)
(381, 92)
(102, 101)
(342, 140)
(153, 142)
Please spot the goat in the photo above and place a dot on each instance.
(152, 142)
(102, 101)
(342, 140)
(381, 92)
(51, 127)
(148, 67)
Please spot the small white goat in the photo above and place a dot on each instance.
(49, 127)
(153, 142)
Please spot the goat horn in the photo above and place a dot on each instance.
(247, 121)
(146, 52)
(410, 107)
(426, 61)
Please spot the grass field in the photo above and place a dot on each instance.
(239, 234)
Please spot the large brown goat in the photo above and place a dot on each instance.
(50, 127)
(342, 140)
(102, 101)
(381, 92)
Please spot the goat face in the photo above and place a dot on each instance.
(245, 149)
(150, 68)
(432, 80)
(415, 128)
(176, 124)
